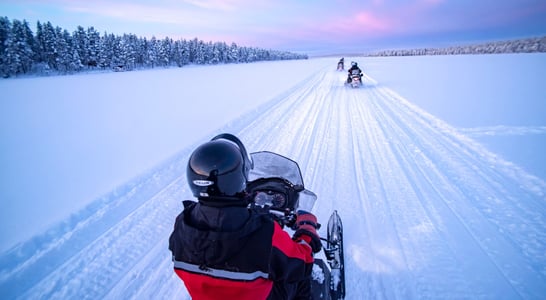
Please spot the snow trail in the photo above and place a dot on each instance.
(427, 212)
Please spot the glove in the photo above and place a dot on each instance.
(306, 229)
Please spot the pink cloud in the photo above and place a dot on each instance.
(431, 2)
(361, 23)
(371, 21)
(379, 20)
(227, 5)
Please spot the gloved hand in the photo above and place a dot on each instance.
(306, 229)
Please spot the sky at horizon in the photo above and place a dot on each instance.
(323, 26)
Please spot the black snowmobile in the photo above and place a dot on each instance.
(276, 185)
(354, 79)
(340, 66)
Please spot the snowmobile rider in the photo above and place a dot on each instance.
(354, 67)
(222, 248)
(341, 64)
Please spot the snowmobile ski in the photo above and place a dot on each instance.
(329, 277)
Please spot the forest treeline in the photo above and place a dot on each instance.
(54, 50)
(527, 45)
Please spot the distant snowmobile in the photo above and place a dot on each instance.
(276, 187)
(340, 64)
(355, 79)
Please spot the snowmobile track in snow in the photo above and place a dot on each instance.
(427, 212)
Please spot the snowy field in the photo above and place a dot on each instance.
(436, 167)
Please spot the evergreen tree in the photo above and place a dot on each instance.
(106, 50)
(243, 54)
(29, 38)
(152, 56)
(184, 52)
(215, 55)
(139, 56)
(64, 50)
(39, 43)
(50, 46)
(76, 62)
(233, 54)
(81, 45)
(194, 49)
(18, 52)
(130, 48)
(176, 54)
(200, 53)
(93, 47)
(5, 29)
(163, 52)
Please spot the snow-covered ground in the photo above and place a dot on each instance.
(427, 165)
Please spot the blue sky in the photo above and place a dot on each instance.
(304, 25)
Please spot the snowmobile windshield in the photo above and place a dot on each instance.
(270, 165)
(273, 166)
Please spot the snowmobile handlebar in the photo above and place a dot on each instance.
(286, 217)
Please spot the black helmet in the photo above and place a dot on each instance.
(219, 167)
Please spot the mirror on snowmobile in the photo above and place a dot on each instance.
(306, 200)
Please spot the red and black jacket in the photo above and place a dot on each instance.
(237, 253)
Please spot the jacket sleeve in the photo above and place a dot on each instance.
(291, 260)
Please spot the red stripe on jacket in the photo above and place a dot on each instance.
(205, 287)
(291, 248)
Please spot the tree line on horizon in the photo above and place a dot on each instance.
(53, 50)
(526, 45)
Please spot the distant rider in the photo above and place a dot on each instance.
(354, 67)
(341, 64)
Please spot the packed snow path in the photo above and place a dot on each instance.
(427, 212)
